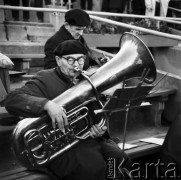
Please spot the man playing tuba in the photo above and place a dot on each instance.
(88, 158)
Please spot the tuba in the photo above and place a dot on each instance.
(35, 143)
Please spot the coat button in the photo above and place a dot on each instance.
(27, 107)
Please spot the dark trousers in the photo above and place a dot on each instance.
(39, 4)
(138, 7)
(83, 4)
(15, 13)
(87, 160)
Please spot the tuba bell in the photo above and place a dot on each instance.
(36, 143)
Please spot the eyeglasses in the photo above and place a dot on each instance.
(71, 60)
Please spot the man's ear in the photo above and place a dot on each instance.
(66, 25)
(58, 59)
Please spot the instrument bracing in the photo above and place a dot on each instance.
(35, 143)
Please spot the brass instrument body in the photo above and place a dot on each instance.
(43, 143)
(130, 62)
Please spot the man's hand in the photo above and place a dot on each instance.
(57, 115)
(97, 131)
(104, 59)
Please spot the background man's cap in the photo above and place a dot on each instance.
(70, 47)
(77, 17)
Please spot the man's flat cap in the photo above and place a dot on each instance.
(70, 47)
(77, 17)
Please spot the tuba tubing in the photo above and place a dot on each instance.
(134, 60)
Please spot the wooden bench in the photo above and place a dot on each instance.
(8, 119)
(158, 98)
(145, 157)
(144, 148)
(22, 173)
(24, 59)
(22, 62)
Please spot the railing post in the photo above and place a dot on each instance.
(2, 18)
(61, 3)
(53, 3)
(69, 4)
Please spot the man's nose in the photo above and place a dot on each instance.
(76, 63)
(81, 32)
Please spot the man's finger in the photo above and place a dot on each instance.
(95, 129)
(53, 123)
(65, 120)
(104, 128)
(60, 123)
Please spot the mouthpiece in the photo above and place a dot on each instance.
(77, 69)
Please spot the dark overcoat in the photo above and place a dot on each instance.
(62, 35)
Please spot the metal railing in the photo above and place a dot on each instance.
(98, 18)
